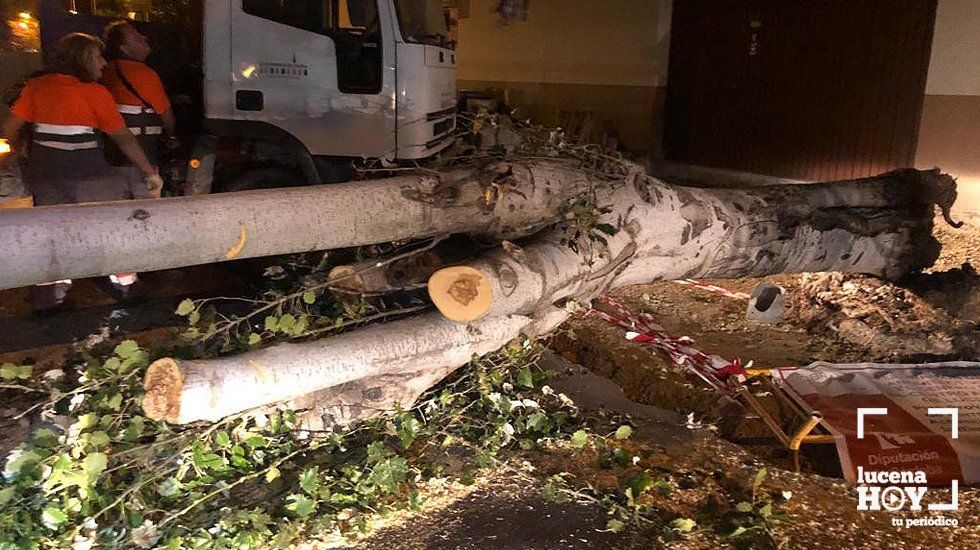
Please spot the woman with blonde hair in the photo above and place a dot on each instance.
(71, 112)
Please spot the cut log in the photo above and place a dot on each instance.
(366, 398)
(180, 391)
(372, 277)
(880, 225)
(501, 200)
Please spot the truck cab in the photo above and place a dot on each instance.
(302, 86)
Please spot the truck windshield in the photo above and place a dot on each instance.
(423, 22)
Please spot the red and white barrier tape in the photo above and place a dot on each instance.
(714, 289)
(644, 330)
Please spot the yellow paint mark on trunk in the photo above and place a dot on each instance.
(262, 373)
(238, 247)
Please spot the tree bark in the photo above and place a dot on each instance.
(880, 226)
(180, 391)
(501, 200)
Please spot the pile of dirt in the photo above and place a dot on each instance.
(925, 318)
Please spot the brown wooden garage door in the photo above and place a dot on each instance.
(810, 89)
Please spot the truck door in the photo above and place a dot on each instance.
(322, 70)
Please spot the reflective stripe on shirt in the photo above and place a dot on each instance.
(68, 146)
(65, 137)
(133, 109)
(149, 131)
(62, 130)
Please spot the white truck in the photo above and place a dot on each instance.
(293, 91)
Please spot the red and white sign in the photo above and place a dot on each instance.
(902, 434)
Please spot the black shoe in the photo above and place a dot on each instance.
(130, 294)
(125, 294)
(49, 299)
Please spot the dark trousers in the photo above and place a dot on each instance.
(119, 183)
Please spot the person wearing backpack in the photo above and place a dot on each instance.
(138, 91)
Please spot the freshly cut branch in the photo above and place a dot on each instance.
(500, 200)
(180, 391)
(880, 225)
(370, 278)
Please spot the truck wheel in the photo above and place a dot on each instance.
(262, 178)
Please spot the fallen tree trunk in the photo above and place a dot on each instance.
(181, 391)
(880, 226)
(502, 200)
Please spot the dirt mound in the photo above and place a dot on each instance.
(928, 317)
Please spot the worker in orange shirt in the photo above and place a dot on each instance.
(65, 161)
(137, 89)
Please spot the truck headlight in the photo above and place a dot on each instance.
(4, 147)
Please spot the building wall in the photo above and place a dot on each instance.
(611, 60)
(949, 134)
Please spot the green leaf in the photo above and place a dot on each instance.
(388, 474)
(538, 422)
(87, 420)
(112, 364)
(94, 464)
(408, 428)
(624, 432)
(309, 480)
(744, 507)
(641, 484)
(10, 371)
(622, 457)
(615, 526)
(683, 525)
(254, 339)
(606, 228)
(663, 487)
(579, 439)
(551, 493)
(376, 451)
(135, 429)
(169, 487)
(525, 378)
(757, 482)
(53, 518)
(255, 441)
(6, 494)
(114, 402)
(98, 439)
(45, 438)
(222, 439)
(272, 475)
(186, 307)
(287, 322)
(194, 317)
(272, 323)
(140, 359)
(127, 349)
(738, 531)
(309, 297)
(301, 505)
(302, 324)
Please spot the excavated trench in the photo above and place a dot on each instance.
(829, 317)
